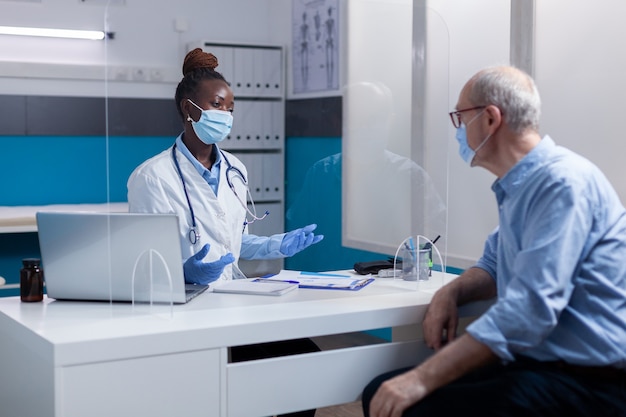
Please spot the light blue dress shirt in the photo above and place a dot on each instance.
(252, 246)
(559, 261)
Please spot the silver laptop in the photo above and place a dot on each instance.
(113, 257)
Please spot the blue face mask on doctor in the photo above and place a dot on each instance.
(465, 151)
(213, 125)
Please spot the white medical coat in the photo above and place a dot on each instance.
(155, 187)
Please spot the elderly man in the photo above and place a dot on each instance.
(554, 341)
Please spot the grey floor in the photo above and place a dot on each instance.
(344, 410)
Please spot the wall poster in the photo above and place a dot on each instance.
(315, 46)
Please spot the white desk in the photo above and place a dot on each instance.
(60, 358)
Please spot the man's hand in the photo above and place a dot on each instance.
(441, 319)
(442, 316)
(397, 394)
(456, 359)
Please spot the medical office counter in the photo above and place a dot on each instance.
(66, 359)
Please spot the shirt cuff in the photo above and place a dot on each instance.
(486, 332)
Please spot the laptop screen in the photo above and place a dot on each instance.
(111, 256)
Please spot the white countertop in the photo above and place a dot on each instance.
(20, 219)
(71, 330)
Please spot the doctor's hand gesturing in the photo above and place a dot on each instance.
(203, 273)
(299, 239)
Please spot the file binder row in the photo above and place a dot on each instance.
(253, 71)
(257, 124)
(265, 175)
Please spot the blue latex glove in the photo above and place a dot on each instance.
(203, 273)
(299, 239)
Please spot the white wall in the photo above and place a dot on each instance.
(579, 68)
(580, 75)
(146, 39)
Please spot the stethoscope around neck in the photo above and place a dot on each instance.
(193, 235)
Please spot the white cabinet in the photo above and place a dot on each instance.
(157, 386)
(256, 76)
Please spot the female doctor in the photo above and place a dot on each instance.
(205, 185)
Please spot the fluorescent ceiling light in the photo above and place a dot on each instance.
(54, 33)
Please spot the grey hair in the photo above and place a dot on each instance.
(511, 90)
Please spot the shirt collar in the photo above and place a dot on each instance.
(199, 167)
(525, 167)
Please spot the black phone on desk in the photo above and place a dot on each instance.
(372, 267)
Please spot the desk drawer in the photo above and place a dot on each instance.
(184, 384)
(313, 380)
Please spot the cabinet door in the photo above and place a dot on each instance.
(244, 85)
(268, 73)
(243, 121)
(183, 384)
(277, 117)
(273, 176)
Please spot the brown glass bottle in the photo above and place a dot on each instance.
(31, 280)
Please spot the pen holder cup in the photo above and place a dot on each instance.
(416, 264)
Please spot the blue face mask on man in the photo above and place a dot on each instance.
(465, 151)
(213, 125)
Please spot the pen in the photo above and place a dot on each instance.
(275, 280)
(428, 244)
(411, 244)
(412, 249)
(321, 274)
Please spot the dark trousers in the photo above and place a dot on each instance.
(522, 388)
(272, 350)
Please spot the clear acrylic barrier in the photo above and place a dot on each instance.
(418, 259)
(152, 288)
(151, 281)
(395, 141)
(414, 263)
(139, 261)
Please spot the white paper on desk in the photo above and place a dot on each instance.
(329, 282)
(285, 275)
(318, 281)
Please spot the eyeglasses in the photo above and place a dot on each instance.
(455, 116)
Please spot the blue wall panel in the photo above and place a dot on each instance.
(38, 170)
(46, 170)
(126, 153)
